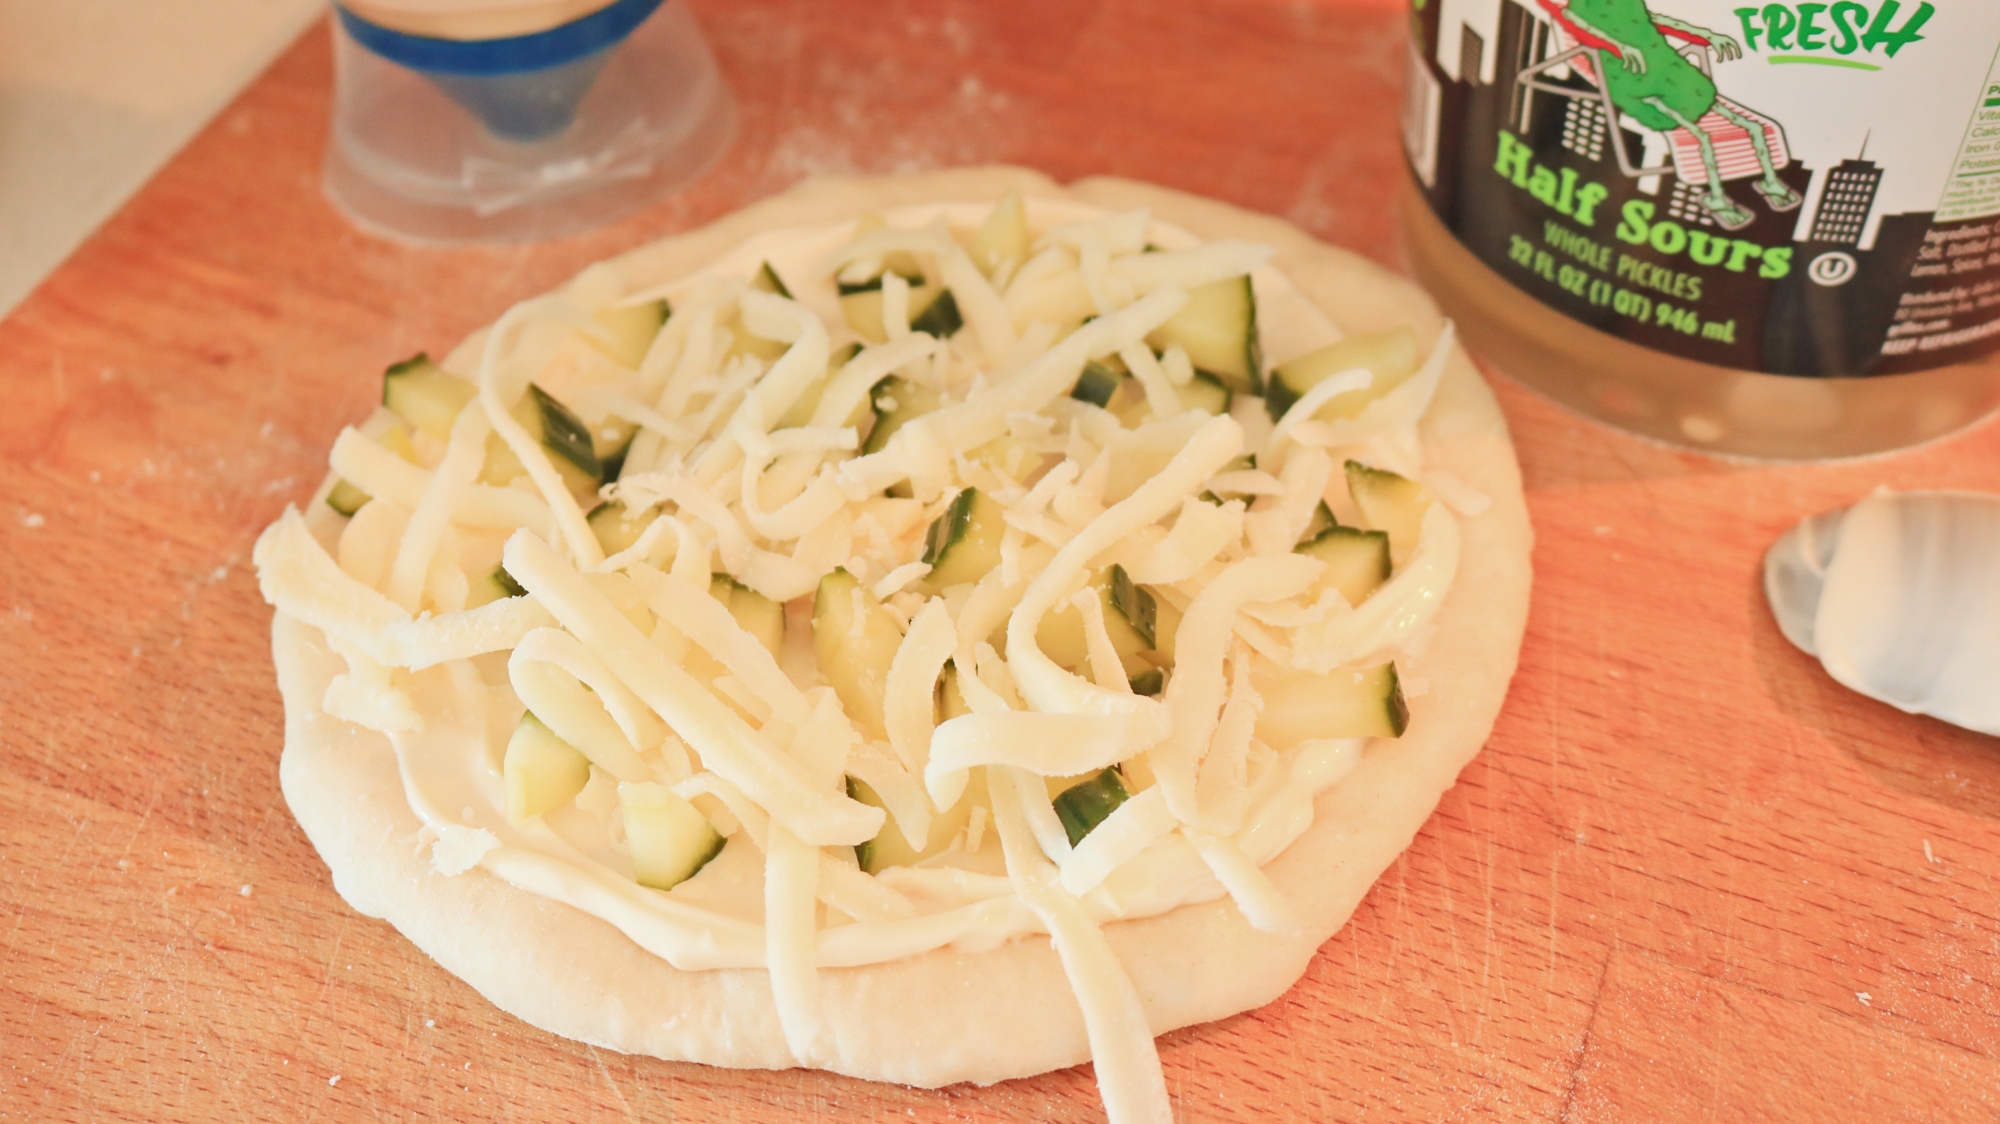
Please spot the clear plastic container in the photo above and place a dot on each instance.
(526, 137)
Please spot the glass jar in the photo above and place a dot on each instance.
(1759, 231)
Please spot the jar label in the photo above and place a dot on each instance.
(1796, 188)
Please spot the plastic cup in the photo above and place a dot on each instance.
(526, 136)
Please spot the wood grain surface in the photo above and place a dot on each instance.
(1690, 878)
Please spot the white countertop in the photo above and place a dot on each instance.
(96, 94)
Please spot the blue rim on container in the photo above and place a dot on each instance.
(523, 88)
(512, 55)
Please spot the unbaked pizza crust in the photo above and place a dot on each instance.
(947, 1017)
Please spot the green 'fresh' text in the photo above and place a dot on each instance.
(1842, 28)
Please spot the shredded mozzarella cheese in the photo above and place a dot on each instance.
(1050, 745)
(1121, 1042)
(1393, 613)
(725, 742)
(1047, 686)
(1222, 784)
(863, 897)
(297, 576)
(549, 670)
(1263, 905)
(1398, 410)
(1200, 533)
(1128, 830)
(496, 401)
(791, 895)
(429, 522)
(906, 698)
(379, 472)
(1195, 694)
(1188, 269)
(705, 621)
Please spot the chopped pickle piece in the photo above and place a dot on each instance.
(507, 582)
(1392, 503)
(346, 498)
(1133, 603)
(933, 310)
(757, 614)
(565, 434)
(616, 528)
(1390, 356)
(1082, 807)
(494, 585)
(1207, 393)
(891, 848)
(1322, 518)
(801, 410)
(1357, 561)
(896, 401)
(767, 280)
(628, 330)
(541, 771)
(1341, 704)
(669, 838)
(1130, 619)
(951, 701)
(1002, 240)
(583, 460)
(1096, 385)
(855, 638)
(426, 395)
(1218, 330)
(963, 544)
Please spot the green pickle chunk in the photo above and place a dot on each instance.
(1083, 806)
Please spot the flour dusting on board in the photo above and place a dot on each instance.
(870, 134)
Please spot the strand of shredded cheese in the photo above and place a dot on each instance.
(1128, 830)
(1222, 783)
(791, 895)
(1051, 745)
(463, 454)
(906, 697)
(1121, 1043)
(1200, 533)
(1192, 268)
(568, 516)
(1259, 899)
(549, 670)
(1397, 410)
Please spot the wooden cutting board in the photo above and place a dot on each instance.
(1689, 878)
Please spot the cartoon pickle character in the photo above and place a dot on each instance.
(1662, 90)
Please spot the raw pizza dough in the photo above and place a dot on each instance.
(947, 1017)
